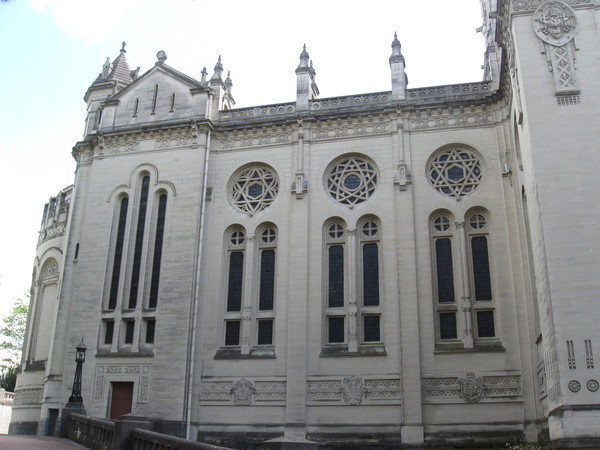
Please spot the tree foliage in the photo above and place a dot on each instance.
(13, 335)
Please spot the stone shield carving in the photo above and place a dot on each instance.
(353, 390)
(471, 387)
(243, 392)
(555, 23)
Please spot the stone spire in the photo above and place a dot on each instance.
(121, 73)
(397, 66)
(306, 87)
(217, 75)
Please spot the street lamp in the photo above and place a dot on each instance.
(79, 359)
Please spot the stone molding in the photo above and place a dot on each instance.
(470, 388)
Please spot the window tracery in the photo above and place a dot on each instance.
(254, 189)
(351, 180)
(455, 172)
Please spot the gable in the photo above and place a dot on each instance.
(161, 94)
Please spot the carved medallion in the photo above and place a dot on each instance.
(555, 23)
(592, 385)
(471, 387)
(353, 390)
(243, 392)
(574, 386)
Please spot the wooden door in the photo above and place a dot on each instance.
(121, 399)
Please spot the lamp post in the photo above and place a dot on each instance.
(79, 359)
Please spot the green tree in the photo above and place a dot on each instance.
(13, 333)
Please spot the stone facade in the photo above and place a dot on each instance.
(405, 267)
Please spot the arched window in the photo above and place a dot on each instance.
(135, 261)
(335, 242)
(442, 234)
(353, 313)
(477, 224)
(369, 232)
(236, 249)
(462, 270)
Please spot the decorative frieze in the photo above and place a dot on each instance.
(351, 101)
(530, 5)
(471, 388)
(28, 396)
(351, 127)
(255, 137)
(139, 373)
(243, 392)
(354, 390)
(448, 120)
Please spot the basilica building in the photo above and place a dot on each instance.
(408, 267)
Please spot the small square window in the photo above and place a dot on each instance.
(335, 332)
(129, 327)
(485, 324)
(150, 327)
(232, 332)
(265, 332)
(371, 329)
(109, 329)
(447, 325)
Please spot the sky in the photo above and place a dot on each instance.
(52, 50)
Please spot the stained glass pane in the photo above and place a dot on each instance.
(158, 243)
(150, 327)
(116, 273)
(139, 244)
(336, 330)
(232, 332)
(371, 329)
(485, 324)
(267, 280)
(370, 274)
(336, 276)
(445, 274)
(447, 325)
(481, 268)
(129, 327)
(265, 332)
(234, 287)
(110, 329)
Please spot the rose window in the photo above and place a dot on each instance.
(352, 180)
(254, 189)
(455, 172)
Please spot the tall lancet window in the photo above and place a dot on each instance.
(157, 253)
(335, 242)
(368, 237)
(236, 249)
(139, 243)
(442, 231)
(118, 253)
(267, 244)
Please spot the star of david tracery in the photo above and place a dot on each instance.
(455, 173)
(352, 181)
(254, 189)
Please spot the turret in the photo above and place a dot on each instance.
(306, 86)
(397, 66)
(114, 77)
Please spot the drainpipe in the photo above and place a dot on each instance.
(192, 344)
